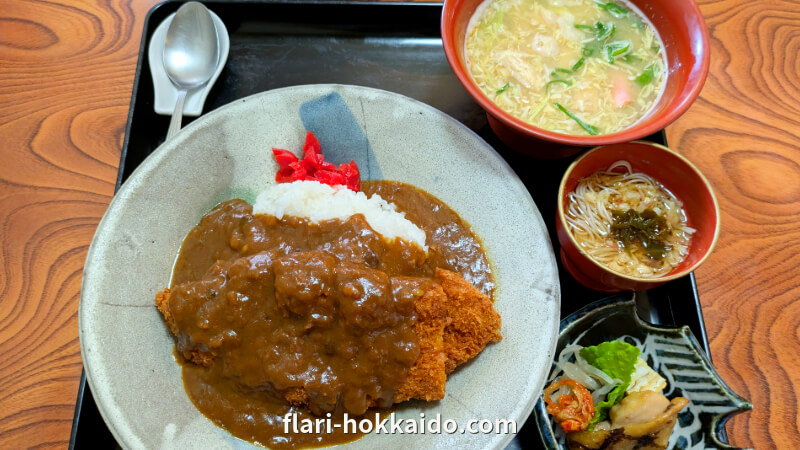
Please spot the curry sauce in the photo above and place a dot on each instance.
(274, 317)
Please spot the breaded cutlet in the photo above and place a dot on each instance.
(426, 378)
(473, 324)
(455, 322)
(197, 357)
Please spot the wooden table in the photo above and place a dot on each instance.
(66, 71)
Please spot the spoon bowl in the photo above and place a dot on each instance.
(191, 54)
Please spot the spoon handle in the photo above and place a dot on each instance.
(177, 114)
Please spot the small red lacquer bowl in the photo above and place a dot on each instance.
(685, 37)
(676, 174)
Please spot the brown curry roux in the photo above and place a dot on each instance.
(273, 310)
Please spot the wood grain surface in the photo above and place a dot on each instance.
(66, 72)
(744, 135)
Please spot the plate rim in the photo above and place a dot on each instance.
(154, 158)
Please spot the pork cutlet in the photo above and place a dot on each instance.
(454, 322)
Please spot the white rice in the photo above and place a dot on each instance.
(319, 202)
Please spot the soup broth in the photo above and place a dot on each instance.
(579, 67)
(629, 222)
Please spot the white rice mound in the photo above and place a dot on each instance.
(319, 202)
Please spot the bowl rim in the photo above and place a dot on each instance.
(655, 280)
(630, 133)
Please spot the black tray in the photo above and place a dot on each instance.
(391, 46)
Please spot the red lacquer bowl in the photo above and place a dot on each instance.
(676, 174)
(685, 37)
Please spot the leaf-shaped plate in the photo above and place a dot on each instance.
(672, 352)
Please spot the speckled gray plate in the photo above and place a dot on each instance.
(672, 352)
(127, 350)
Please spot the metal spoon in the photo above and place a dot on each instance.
(191, 53)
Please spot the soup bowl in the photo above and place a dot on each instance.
(684, 34)
(677, 175)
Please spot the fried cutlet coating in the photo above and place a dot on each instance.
(196, 356)
(427, 377)
(296, 396)
(455, 322)
(474, 322)
(162, 303)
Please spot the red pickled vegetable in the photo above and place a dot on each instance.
(351, 175)
(329, 177)
(299, 171)
(324, 165)
(312, 144)
(313, 159)
(572, 411)
(284, 175)
(284, 157)
(314, 167)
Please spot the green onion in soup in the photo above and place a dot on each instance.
(580, 67)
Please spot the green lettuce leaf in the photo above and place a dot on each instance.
(617, 360)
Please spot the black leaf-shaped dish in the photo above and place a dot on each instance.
(672, 352)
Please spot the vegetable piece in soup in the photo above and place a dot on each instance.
(580, 67)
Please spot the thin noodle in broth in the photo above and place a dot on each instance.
(597, 213)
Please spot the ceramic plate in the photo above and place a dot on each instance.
(126, 348)
(672, 352)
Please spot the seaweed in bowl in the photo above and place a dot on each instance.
(611, 330)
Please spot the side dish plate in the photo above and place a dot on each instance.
(674, 353)
(126, 348)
